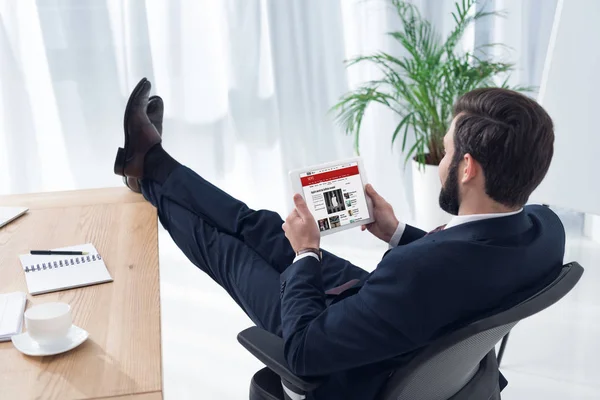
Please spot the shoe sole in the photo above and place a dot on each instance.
(120, 162)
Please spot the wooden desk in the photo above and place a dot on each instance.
(122, 357)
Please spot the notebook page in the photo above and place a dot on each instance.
(66, 272)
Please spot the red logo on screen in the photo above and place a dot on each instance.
(329, 176)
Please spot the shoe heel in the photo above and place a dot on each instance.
(120, 162)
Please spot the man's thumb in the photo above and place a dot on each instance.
(301, 206)
(372, 192)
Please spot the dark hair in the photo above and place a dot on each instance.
(510, 135)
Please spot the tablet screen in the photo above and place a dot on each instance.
(335, 195)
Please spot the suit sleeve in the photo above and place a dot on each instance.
(411, 234)
(320, 340)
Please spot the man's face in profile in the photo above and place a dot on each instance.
(449, 195)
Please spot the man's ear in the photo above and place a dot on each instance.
(470, 168)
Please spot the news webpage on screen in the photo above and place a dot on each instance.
(335, 195)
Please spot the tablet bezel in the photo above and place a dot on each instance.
(297, 188)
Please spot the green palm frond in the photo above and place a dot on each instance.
(422, 86)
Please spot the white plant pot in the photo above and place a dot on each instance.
(426, 190)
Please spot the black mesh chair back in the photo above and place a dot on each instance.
(449, 365)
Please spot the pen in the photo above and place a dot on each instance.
(57, 252)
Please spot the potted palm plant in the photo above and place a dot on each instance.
(421, 88)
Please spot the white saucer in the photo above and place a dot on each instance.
(26, 345)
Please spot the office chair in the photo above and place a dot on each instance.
(459, 366)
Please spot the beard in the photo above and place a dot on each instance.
(449, 197)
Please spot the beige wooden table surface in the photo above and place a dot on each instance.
(122, 356)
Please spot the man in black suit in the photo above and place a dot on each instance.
(336, 319)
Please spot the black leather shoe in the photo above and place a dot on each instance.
(155, 112)
(140, 134)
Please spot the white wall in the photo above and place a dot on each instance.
(591, 227)
(570, 92)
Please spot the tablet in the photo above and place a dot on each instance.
(335, 194)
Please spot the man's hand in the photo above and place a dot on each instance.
(301, 228)
(386, 222)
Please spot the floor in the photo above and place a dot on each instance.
(552, 355)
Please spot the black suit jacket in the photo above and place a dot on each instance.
(424, 288)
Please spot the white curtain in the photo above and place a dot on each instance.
(247, 85)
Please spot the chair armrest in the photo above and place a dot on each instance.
(268, 348)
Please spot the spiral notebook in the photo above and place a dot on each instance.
(46, 274)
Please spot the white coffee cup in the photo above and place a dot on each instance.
(48, 322)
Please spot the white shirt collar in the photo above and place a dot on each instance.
(463, 219)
